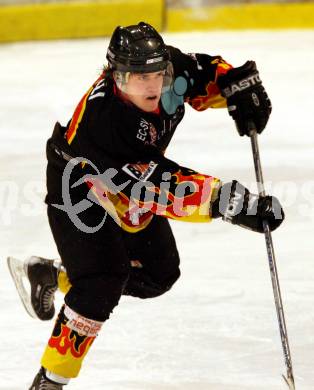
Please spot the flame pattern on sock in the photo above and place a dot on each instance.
(69, 343)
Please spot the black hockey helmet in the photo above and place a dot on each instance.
(137, 48)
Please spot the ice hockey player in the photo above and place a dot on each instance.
(114, 148)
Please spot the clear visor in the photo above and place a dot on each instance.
(150, 84)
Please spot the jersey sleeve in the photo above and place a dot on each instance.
(164, 188)
(199, 73)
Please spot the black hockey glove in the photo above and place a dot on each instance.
(246, 97)
(237, 205)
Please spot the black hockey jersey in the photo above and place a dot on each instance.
(122, 148)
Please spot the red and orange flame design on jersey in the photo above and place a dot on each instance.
(191, 204)
(212, 98)
(79, 112)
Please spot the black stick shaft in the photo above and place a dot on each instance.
(273, 266)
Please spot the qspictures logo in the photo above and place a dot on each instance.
(146, 198)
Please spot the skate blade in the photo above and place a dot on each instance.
(18, 271)
(289, 382)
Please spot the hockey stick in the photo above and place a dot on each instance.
(289, 378)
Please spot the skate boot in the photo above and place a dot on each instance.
(41, 382)
(43, 278)
(42, 275)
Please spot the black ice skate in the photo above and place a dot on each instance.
(42, 383)
(42, 275)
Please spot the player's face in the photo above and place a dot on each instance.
(144, 89)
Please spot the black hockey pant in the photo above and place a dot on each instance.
(99, 264)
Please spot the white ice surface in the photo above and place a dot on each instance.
(217, 328)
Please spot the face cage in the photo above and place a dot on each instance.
(121, 78)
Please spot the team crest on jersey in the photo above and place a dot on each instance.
(147, 132)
